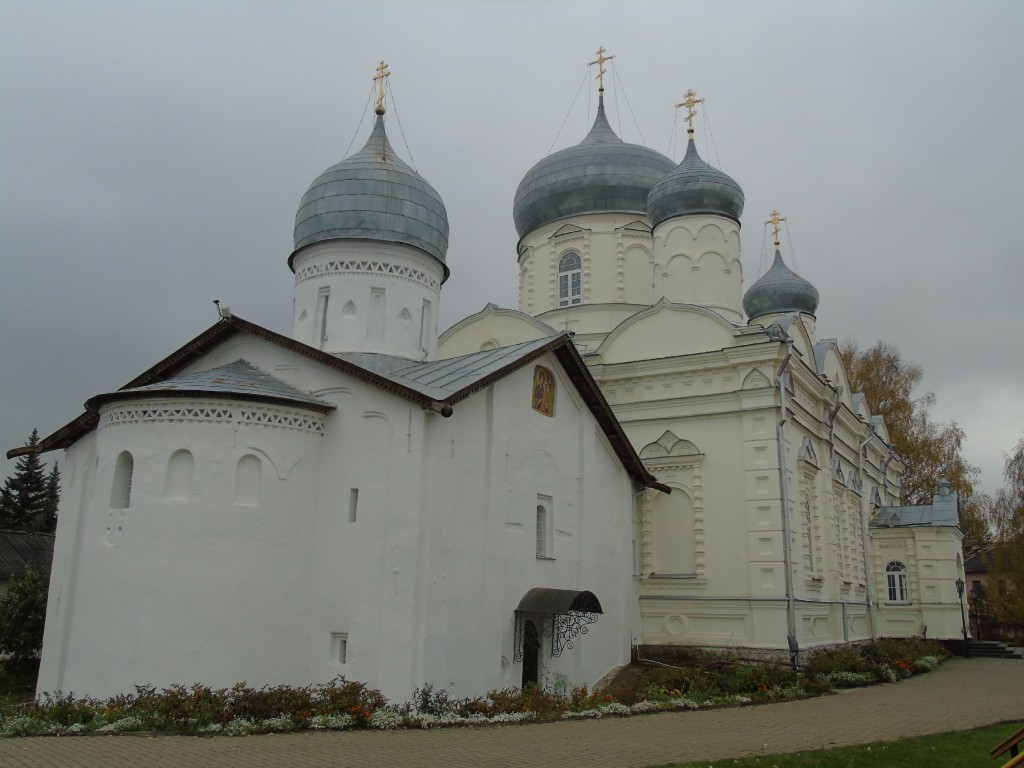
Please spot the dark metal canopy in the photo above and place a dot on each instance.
(557, 614)
(543, 600)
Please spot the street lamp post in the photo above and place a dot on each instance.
(963, 620)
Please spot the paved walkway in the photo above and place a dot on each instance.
(960, 695)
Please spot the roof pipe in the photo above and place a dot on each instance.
(443, 408)
(787, 533)
(865, 536)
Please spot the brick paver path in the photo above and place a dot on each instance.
(960, 695)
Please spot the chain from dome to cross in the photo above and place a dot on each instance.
(690, 101)
(775, 219)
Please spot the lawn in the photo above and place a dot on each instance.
(963, 749)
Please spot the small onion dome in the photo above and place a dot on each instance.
(694, 187)
(780, 290)
(373, 195)
(601, 173)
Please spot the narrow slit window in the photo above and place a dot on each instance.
(353, 504)
(121, 489)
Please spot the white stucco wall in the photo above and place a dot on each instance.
(421, 575)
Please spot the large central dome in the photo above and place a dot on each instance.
(373, 195)
(601, 173)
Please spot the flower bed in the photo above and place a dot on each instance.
(341, 704)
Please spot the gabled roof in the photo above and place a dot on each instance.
(437, 385)
(22, 551)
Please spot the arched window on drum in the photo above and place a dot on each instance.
(570, 279)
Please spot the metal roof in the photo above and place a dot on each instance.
(419, 383)
(780, 290)
(942, 511)
(373, 195)
(601, 173)
(22, 551)
(694, 187)
(237, 379)
(443, 379)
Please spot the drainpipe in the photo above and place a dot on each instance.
(787, 533)
(865, 537)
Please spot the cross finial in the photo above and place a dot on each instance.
(774, 219)
(689, 102)
(380, 77)
(600, 60)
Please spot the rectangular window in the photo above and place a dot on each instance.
(375, 327)
(339, 647)
(353, 503)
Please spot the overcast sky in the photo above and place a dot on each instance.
(153, 154)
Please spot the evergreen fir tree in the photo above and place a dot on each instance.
(23, 499)
(47, 521)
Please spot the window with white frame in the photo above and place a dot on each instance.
(896, 579)
(570, 279)
(339, 647)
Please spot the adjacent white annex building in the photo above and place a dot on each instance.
(363, 498)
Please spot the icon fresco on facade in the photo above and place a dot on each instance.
(543, 391)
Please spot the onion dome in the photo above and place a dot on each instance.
(373, 195)
(601, 173)
(780, 290)
(694, 187)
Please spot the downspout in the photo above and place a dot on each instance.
(869, 576)
(787, 533)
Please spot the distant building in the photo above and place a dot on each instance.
(21, 552)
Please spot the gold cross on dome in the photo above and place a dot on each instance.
(380, 77)
(690, 102)
(600, 60)
(774, 219)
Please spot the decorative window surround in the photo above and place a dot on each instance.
(676, 462)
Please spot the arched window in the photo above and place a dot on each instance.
(178, 485)
(121, 490)
(896, 578)
(247, 481)
(570, 279)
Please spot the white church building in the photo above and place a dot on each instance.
(640, 455)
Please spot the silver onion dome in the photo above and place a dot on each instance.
(601, 173)
(373, 195)
(694, 187)
(780, 290)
